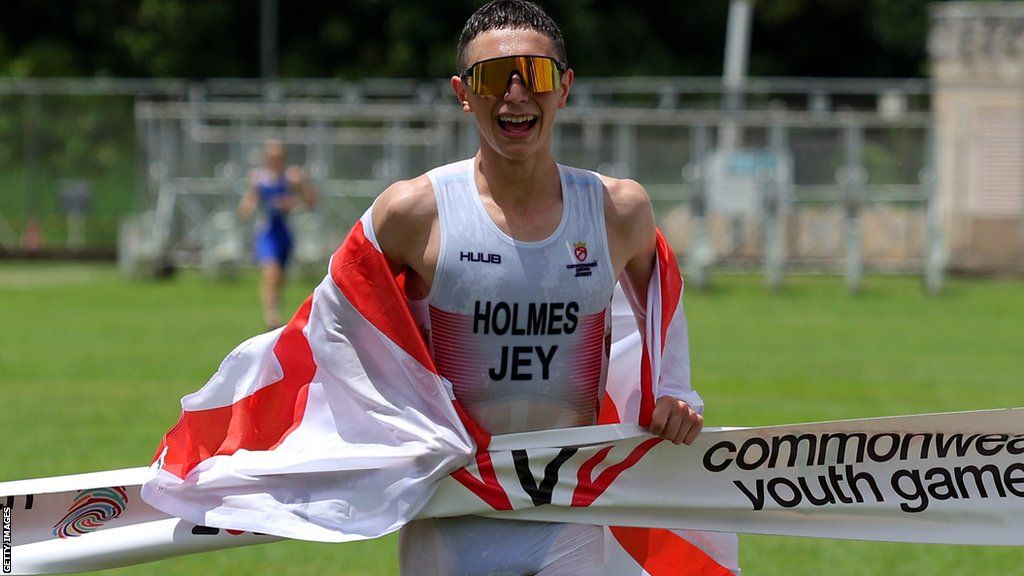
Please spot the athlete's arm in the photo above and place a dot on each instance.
(631, 234)
(249, 200)
(296, 178)
(405, 223)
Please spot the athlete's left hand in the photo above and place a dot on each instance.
(674, 420)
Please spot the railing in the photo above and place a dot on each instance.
(133, 141)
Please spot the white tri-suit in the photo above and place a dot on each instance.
(522, 331)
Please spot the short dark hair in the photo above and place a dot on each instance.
(509, 15)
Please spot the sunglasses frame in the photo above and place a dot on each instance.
(465, 74)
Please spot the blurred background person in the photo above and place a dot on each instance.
(274, 189)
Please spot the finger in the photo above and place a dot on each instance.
(659, 418)
(658, 423)
(672, 428)
(694, 430)
(682, 421)
(681, 430)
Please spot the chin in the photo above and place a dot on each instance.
(519, 149)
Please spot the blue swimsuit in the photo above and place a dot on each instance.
(273, 241)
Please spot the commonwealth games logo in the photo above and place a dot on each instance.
(582, 268)
(580, 251)
(90, 510)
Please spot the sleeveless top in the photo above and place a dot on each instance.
(521, 329)
(271, 187)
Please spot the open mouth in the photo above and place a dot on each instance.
(517, 124)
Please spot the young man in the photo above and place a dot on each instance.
(510, 263)
(277, 188)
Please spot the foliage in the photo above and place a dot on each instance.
(403, 38)
(839, 38)
(46, 140)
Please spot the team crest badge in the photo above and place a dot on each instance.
(580, 251)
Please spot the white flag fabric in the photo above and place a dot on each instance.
(662, 353)
(339, 426)
(336, 427)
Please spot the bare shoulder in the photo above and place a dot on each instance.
(404, 215)
(627, 209)
(406, 202)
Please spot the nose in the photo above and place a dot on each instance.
(516, 90)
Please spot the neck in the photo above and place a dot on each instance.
(517, 182)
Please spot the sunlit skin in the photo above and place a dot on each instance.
(517, 178)
(514, 155)
(516, 173)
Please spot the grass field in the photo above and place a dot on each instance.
(91, 370)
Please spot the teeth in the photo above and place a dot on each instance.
(516, 119)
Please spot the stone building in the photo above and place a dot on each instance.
(977, 63)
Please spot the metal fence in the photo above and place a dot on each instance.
(830, 191)
(809, 174)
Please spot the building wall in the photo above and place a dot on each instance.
(977, 61)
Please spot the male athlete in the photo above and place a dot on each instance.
(510, 262)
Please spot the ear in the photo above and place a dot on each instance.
(462, 94)
(567, 78)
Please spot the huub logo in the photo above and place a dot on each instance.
(480, 257)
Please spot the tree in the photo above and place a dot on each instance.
(416, 38)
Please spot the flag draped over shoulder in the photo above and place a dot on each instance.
(338, 426)
(334, 428)
(661, 352)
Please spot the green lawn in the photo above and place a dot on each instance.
(91, 370)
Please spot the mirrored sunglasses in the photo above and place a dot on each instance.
(491, 77)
